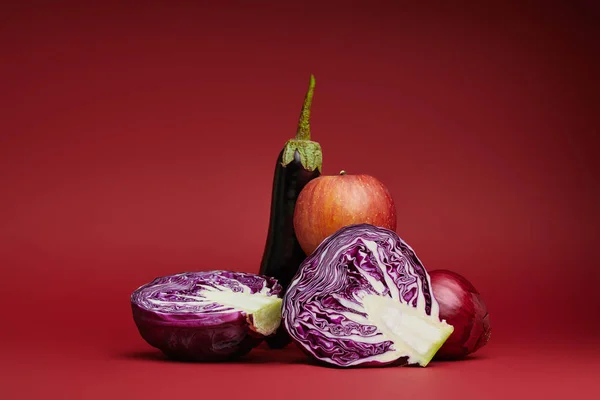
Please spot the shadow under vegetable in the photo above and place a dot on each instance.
(260, 355)
(289, 355)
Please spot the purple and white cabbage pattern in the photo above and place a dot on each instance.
(182, 294)
(177, 315)
(323, 310)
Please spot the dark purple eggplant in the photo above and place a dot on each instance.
(299, 162)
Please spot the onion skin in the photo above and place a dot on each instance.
(462, 306)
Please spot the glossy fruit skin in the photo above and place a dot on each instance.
(298, 163)
(282, 254)
(330, 202)
(462, 306)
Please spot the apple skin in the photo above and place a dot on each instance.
(330, 202)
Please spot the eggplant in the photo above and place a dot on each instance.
(299, 162)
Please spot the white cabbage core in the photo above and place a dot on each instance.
(413, 332)
(265, 311)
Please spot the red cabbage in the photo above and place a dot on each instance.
(207, 316)
(364, 298)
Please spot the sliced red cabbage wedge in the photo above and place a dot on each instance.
(207, 316)
(363, 298)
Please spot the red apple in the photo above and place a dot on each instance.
(330, 202)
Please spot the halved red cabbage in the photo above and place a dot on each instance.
(364, 298)
(207, 316)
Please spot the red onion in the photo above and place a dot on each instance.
(461, 306)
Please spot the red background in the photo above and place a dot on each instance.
(139, 139)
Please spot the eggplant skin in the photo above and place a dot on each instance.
(283, 255)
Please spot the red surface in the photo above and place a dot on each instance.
(139, 140)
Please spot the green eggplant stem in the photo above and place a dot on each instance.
(303, 132)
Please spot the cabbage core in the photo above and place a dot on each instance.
(414, 334)
(264, 312)
(363, 297)
(207, 315)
